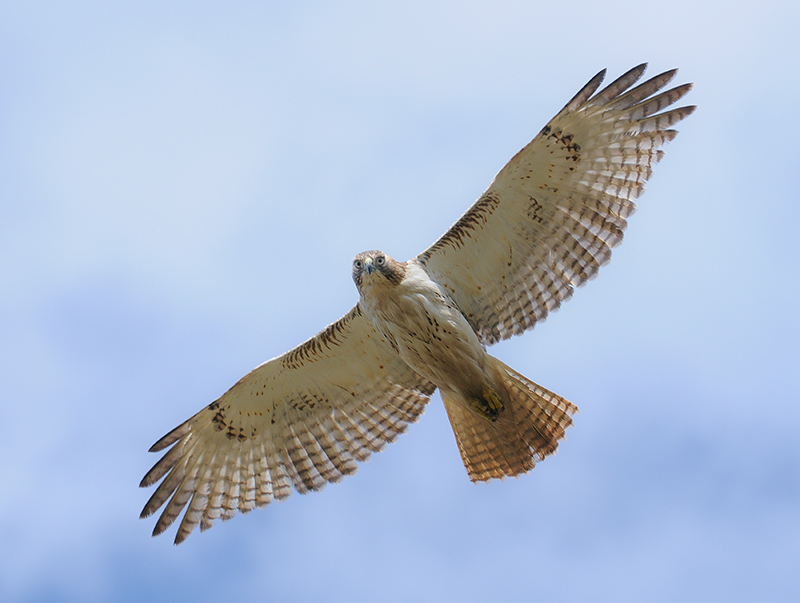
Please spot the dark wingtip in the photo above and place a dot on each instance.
(620, 85)
(172, 437)
(586, 92)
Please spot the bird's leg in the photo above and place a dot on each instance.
(489, 405)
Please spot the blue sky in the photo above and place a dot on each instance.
(182, 189)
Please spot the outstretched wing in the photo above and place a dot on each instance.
(551, 216)
(302, 419)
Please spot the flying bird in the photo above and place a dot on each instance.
(545, 225)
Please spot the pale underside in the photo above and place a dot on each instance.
(544, 226)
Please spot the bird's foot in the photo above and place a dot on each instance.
(489, 405)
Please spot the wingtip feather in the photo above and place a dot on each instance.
(170, 438)
(619, 86)
(586, 92)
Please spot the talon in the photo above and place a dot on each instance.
(489, 405)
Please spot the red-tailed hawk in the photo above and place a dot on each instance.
(545, 225)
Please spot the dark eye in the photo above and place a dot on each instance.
(380, 260)
(357, 264)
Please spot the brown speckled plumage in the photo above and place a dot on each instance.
(545, 225)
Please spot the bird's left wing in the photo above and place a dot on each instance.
(551, 216)
(302, 419)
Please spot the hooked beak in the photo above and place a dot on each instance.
(369, 267)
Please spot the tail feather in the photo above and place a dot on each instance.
(528, 428)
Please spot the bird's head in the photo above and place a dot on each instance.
(375, 267)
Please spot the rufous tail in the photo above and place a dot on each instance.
(527, 428)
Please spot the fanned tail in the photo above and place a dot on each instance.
(527, 429)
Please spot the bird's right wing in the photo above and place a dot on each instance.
(302, 419)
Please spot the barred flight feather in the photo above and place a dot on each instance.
(562, 202)
(240, 453)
